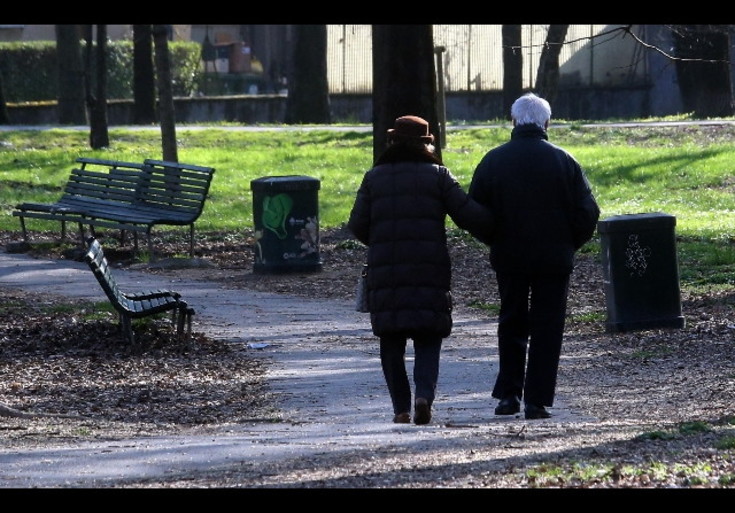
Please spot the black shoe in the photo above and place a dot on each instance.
(536, 412)
(508, 406)
(422, 411)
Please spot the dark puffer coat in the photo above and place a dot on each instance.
(400, 213)
(541, 201)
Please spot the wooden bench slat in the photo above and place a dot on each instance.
(108, 163)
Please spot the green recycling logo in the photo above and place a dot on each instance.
(275, 211)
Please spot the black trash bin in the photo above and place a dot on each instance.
(641, 272)
(286, 221)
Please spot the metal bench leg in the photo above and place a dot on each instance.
(81, 234)
(189, 315)
(181, 319)
(92, 233)
(126, 325)
(191, 241)
(23, 227)
(151, 251)
(184, 319)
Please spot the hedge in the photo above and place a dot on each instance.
(29, 73)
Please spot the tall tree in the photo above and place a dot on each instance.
(512, 65)
(165, 93)
(97, 88)
(547, 77)
(703, 69)
(144, 85)
(404, 78)
(308, 87)
(4, 117)
(71, 104)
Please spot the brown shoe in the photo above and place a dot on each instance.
(402, 418)
(422, 414)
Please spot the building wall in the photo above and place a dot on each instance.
(48, 32)
(611, 60)
(467, 107)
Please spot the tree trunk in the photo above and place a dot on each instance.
(512, 66)
(144, 86)
(702, 69)
(404, 79)
(547, 78)
(4, 117)
(165, 94)
(308, 87)
(72, 109)
(97, 103)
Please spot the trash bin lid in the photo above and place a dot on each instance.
(644, 221)
(285, 183)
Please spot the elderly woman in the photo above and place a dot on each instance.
(400, 214)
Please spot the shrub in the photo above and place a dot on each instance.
(41, 82)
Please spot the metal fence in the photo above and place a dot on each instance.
(473, 60)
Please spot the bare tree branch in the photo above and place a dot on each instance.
(615, 32)
(668, 55)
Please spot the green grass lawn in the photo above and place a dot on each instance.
(686, 172)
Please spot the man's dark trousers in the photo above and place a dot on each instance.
(532, 314)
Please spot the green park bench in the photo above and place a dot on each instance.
(136, 305)
(126, 196)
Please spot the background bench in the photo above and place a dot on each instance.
(96, 181)
(127, 196)
(136, 305)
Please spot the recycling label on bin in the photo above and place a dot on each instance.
(275, 211)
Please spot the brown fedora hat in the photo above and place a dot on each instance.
(411, 127)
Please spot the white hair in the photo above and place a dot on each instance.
(530, 109)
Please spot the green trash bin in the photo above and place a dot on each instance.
(286, 221)
(641, 272)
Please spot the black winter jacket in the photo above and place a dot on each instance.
(541, 201)
(400, 213)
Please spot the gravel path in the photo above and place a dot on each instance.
(643, 409)
(323, 368)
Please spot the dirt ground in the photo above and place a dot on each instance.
(663, 397)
